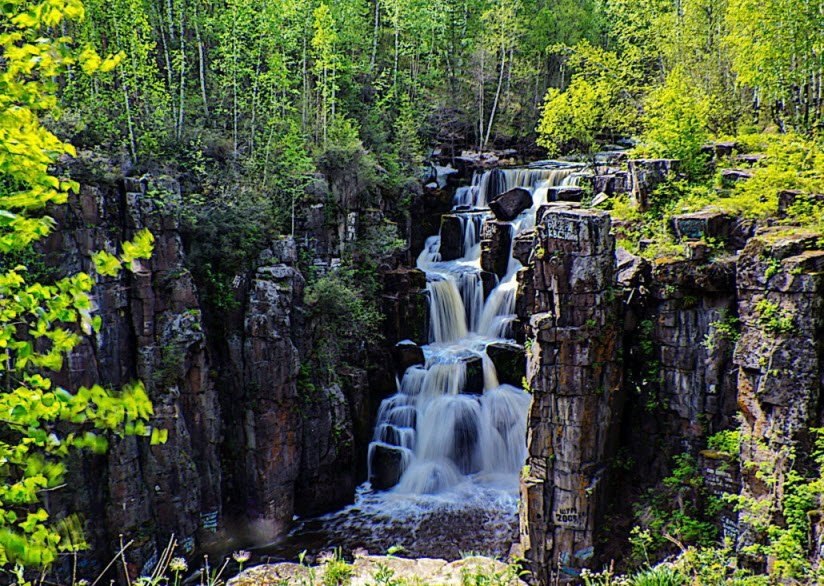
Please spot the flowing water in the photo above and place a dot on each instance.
(460, 452)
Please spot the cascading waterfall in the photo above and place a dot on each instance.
(446, 435)
(456, 433)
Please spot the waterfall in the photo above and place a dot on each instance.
(451, 420)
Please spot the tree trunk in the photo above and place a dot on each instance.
(201, 67)
(497, 97)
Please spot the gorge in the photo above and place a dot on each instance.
(542, 300)
(395, 293)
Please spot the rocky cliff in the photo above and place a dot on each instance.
(632, 363)
(253, 438)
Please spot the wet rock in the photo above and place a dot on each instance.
(386, 467)
(474, 384)
(405, 306)
(426, 208)
(490, 281)
(508, 205)
(565, 193)
(452, 237)
(523, 245)
(407, 353)
(704, 224)
(509, 361)
(496, 243)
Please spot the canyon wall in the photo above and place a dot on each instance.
(253, 438)
(632, 363)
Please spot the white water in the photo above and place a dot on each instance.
(450, 439)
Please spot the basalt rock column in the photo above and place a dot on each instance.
(780, 358)
(575, 378)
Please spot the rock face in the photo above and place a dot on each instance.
(693, 387)
(576, 381)
(451, 237)
(780, 358)
(406, 306)
(265, 364)
(152, 331)
(252, 441)
(496, 243)
(646, 174)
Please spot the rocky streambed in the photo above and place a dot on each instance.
(385, 570)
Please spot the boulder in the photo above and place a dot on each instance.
(565, 193)
(407, 353)
(703, 224)
(386, 466)
(611, 183)
(496, 243)
(452, 237)
(474, 382)
(730, 177)
(508, 205)
(510, 362)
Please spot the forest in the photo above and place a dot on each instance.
(331, 125)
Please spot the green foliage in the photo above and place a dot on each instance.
(42, 322)
(572, 119)
(725, 328)
(675, 123)
(775, 47)
(663, 575)
(679, 509)
(336, 571)
(772, 318)
(476, 575)
(727, 442)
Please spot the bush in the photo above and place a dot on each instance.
(675, 122)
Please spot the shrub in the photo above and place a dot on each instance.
(675, 122)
